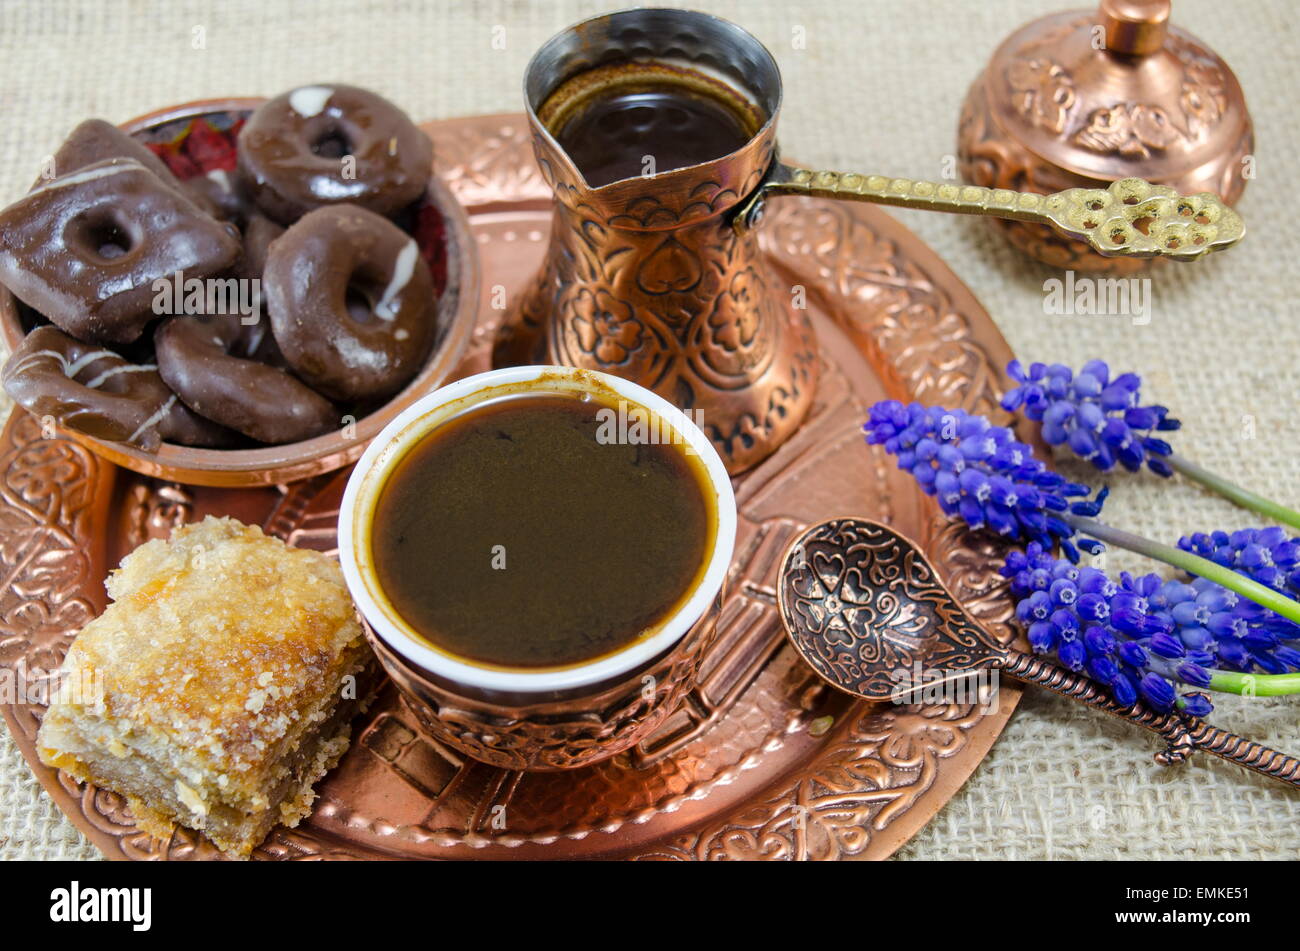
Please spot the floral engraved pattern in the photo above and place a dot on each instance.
(863, 606)
(1203, 95)
(1044, 93)
(741, 327)
(49, 507)
(898, 307)
(157, 509)
(671, 268)
(606, 328)
(1129, 129)
(494, 166)
(877, 771)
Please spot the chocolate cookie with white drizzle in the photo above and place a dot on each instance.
(323, 145)
(87, 248)
(84, 387)
(351, 302)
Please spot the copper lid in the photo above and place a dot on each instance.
(1121, 92)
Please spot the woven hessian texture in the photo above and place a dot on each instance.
(876, 87)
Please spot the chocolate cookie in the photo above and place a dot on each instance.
(87, 249)
(96, 141)
(205, 361)
(258, 235)
(94, 391)
(351, 301)
(219, 193)
(325, 145)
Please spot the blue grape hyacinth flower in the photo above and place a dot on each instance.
(982, 474)
(1264, 554)
(1140, 635)
(1099, 418)
(985, 476)
(1122, 634)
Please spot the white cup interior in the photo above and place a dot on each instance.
(428, 413)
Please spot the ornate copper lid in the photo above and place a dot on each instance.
(1122, 92)
(1087, 97)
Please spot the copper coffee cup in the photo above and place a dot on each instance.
(531, 718)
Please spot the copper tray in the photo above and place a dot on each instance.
(762, 761)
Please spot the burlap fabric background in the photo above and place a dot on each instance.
(877, 88)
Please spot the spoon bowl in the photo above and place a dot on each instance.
(864, 608)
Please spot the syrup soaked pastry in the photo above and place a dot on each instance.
(325, 145)
(217, 688)
(205, 360)
(351, 302)
(85, 249)
(94, 391)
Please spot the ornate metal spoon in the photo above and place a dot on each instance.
(1131, 218)
(866, 610)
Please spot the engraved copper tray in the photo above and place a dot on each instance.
(763, 761)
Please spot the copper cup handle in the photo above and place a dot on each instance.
(1183, 735)
(1131, 218)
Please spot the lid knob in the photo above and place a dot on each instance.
(1135, 27)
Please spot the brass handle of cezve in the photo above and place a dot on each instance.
(1182, 735)
(1132, 218)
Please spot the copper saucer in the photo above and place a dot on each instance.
(763, 761)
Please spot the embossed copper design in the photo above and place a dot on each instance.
(861, 604)
(561, 733)
(1081, 100)
(270, 465)
(735, 771)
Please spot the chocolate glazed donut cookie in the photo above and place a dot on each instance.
(351, 302)
(325, 145)
(87, 249)
(200, 359)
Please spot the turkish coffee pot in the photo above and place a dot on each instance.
(656, 129)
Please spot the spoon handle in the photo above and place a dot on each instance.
(1130, 218)
(1239, 750)
(1183, 735)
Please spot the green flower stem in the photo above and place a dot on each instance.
(1232, 491)
(1254, 685)
(1195, 564)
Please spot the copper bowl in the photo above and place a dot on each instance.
(274, 465)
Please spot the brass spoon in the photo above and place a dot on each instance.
(863, 606)
(1131, 218)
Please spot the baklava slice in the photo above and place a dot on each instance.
(218, 686)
